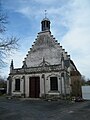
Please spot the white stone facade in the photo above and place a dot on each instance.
(46, 62)
(46, 47)
(44, 84)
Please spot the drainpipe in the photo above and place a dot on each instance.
(64, 85)
(63, 74)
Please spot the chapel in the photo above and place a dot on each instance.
(47, 69)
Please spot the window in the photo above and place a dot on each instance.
(17, 84)
(54, 83)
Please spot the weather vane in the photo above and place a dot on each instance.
(45, 13)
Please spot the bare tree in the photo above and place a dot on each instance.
(2, 82)
(6, 44)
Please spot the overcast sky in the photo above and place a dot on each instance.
(70, 25)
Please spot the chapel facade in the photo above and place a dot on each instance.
(46, 70)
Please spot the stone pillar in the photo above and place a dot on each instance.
(23, 86)
(60, 82)
(9, 85)
(63, 83)
(43, 86)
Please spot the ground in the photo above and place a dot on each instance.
(19, 109)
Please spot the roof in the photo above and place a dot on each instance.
(73, 64)
(45, 19)
(67, 63)
(75, 73)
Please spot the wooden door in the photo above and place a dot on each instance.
(34, 87)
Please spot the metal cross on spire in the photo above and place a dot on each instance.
(45, 13)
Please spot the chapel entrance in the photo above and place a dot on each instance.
(34, 87)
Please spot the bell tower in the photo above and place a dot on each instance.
(45, 23)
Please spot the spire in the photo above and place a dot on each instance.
(11, 66)
(45, 23)
(24, 64)
(62, 60)
(62, 57)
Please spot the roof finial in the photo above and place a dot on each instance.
(11, 66)
(45, 13)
